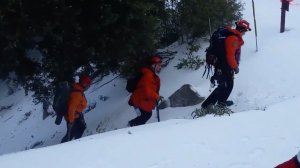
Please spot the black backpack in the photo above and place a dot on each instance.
(132, 82)
(215, 53)
(60, 101)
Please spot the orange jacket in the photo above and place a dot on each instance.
(233, 46)
(146, 93)
(76, 103)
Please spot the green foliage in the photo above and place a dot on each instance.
(170, 25)
(191, 61)
(195, 15)
(198, 113)
(97, 36)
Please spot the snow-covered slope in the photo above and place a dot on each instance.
(255, 139)
(262, 133)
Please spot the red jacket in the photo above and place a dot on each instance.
(146, 93)
(233, 46)
(292, 163)
(76, 103)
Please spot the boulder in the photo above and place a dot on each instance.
(184, 96)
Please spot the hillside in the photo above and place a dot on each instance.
(261, 133)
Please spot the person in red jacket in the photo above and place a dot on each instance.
(146, 95)
(224, 74)
(76, 104)
(292, 163)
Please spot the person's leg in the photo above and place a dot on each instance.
(142, 119)
(80, 127)
(213, 97)
(227, 89)
(221, 108)
(219, 95)
(68, 135)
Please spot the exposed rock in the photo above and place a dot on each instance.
(185, 96)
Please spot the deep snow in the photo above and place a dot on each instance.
(262, 133)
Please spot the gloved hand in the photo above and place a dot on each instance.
(236, 70)
(161, 98)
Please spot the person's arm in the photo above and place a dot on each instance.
(148, 86)
(231, 45)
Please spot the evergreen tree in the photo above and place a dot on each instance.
(95, 36)
(72, 35)
(195, 15)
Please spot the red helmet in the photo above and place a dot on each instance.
(242, 26)
(155, 59)
(85, 80)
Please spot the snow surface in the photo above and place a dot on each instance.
(263, 131)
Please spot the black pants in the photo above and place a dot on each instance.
(142, 119)
(76, 131)
(222, 92)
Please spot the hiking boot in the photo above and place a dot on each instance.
(221, 109)
(203, 111)
(131, 124)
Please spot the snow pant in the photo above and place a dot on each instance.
(142, 119)
(76, 131)
(222, 92)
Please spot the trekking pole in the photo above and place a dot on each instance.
(157, 111)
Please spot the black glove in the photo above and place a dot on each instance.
(236, 70)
